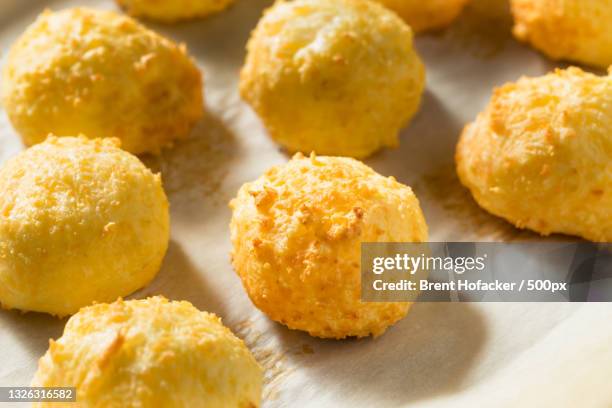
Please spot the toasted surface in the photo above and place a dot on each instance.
(80, 221)
(573, 30)
(338, 77)
(296, 234)
(540, 155)
(169, 11)
(98, 73)
(150, 353)
(426, 15)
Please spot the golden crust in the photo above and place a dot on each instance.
(339, 77)
(540, 155)
(150, 353)
(80, 221)
(574, 30)
(101, 74)
(170, 11)
(296, 234)
(426, 15)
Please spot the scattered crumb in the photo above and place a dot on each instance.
(196, 167)
(272, 359)
(307, 349)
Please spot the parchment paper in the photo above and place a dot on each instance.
(441, 355)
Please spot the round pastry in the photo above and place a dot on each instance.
(297, 233)
(81, 221)
(540, 155)
(101, 74)
(170, 11)
(150, 353)
(426, 15)
(338, 77)
(573, 30)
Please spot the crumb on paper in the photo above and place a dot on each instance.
(196, 167)
(272, 359)
(307, 349)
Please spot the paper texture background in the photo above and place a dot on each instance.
(441, 355)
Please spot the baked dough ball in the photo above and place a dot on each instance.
(574, 30)
(338, 77)
(540, 155)
(423, 15)
(297, 233)
(80, 221)
(170, 11)
(101, 74)
(150, 353)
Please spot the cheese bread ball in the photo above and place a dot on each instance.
(423, 15)
(297, 233)
(81, 221)
(540, 155)
(170, 11)
(574, 30)
(150, 353)
(338, 77)
(101, 74)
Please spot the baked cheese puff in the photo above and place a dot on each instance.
(150, 353)
(170, 11)
(297, 233)
(81, 221)
(426, 15)
(540, 155)
(339, 77)
(573, 30)
(100, 74)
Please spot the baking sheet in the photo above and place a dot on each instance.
(441, 355)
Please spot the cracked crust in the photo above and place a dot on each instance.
(540, 155)
(80, 221)
(98, 73)
(338, 77)
(296, 234)
(150, 353)
(573, 30)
